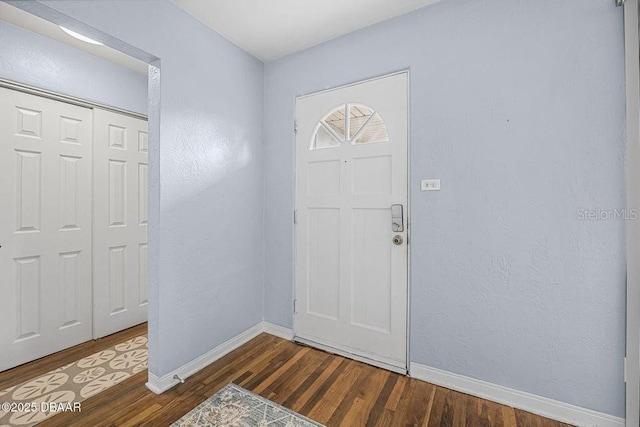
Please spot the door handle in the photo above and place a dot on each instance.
(397, 218)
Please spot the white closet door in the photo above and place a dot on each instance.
(120, 222)
(45, 226)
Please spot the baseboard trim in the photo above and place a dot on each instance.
(278, 331)
(543, 406)
(164, 383)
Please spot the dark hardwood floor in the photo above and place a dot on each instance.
(327, 388)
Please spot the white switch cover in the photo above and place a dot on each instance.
(430, 185)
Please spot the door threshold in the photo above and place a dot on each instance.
(369, 360)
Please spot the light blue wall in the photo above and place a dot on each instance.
(206, 213)
(518, 106)
(36, 60)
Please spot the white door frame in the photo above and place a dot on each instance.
(57, 96)
(408, 229)
(632, 66)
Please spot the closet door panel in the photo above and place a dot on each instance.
(45, 226)
(120, 222)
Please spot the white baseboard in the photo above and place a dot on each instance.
(278, 331)
(164, 383)
(549, 408)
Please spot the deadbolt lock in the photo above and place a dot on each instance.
(397, 239)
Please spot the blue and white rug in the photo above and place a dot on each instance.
(234, 406)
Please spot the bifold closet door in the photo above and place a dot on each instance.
(45, 226)
(119, 222)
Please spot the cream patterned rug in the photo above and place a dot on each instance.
(234, 406)
(61, 390)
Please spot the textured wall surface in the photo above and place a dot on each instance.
(206, 241)
(518, 106)
(36, 60)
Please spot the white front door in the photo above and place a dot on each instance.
(120, 222)
(45, 227)
(351, 221)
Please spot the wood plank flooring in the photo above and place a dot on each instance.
(327, 388)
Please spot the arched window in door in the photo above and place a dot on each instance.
(352, 123)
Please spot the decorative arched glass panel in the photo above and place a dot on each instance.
(335, 120)
(352, 123)
(325, 139)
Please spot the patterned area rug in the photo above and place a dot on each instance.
(61, 390)
(234, 406)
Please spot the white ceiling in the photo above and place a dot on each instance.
(45, 28)
(270, 29)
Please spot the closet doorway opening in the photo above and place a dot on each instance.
(74, 196)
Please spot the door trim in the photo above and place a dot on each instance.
(344, 86)
(373, 360)
(632, 68)
(57, 96)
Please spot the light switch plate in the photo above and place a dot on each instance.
(430, 185)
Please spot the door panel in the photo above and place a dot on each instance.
(69, 286)
(323, 282)
(351, 167)
(45, 226)
(120, 222)
(324, 177)
(372, 175)
(372, 279)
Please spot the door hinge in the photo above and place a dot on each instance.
(620, 2)
(295, 126)
(295, 306)
(625, 370)
(295, 216)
